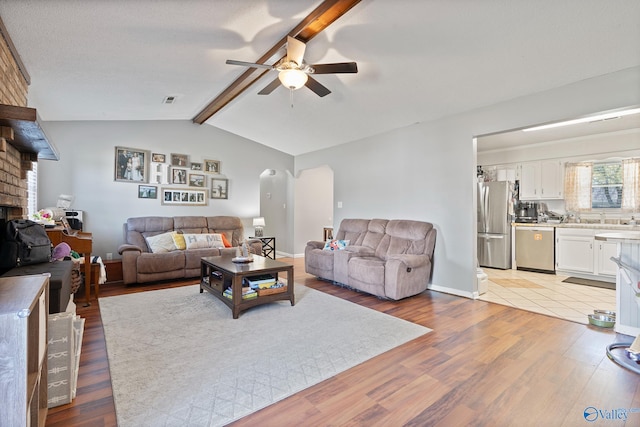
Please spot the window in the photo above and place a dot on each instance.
(32, 189)
(606, 185)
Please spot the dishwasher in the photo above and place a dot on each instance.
(535, 249)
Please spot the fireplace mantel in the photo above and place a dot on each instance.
(28, 135)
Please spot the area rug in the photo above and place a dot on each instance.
(590, 282)
(177, 357)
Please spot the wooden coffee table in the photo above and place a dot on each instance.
(220, 272)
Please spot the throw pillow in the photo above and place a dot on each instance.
(161, 243)
(335, 245)
(198, 241)
(178, 240)
(225, 241)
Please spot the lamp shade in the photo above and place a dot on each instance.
(292, 78)
(258, 222)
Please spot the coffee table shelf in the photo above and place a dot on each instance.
(220, 272)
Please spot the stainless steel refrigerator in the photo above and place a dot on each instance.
(495, 214)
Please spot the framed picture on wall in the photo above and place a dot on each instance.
(179, 160)
(147, 192)
(184, 197)
(131, 165)
(196, 166)
(212, 166)
(197, 180)
(219, 188)
(158, 158)
(178, 176)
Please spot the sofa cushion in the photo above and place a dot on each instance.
(335, 245)
(404, 237)
(178, 240)
(161, 243)
(230, 226)
(353, 230)
(164, 262)
(190, 224)
(199, 241)
(136, 229)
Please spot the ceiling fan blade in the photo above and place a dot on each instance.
(248, 64)
(315, 86)
(295, 50)
(270, 87)
(339, 67)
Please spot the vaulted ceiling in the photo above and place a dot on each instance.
(418, 60)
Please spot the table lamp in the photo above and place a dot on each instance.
(258, 224)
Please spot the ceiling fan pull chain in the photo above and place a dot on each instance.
(291, 96)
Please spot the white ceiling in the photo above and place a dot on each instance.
(418, 60)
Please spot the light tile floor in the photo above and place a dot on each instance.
(546, 294)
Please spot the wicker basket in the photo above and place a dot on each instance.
(270, 291)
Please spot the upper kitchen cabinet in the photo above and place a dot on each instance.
(541, 180)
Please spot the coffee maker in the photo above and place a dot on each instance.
(527, 212)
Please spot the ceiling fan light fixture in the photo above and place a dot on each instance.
(293, 78)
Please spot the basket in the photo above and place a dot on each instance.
(270, 291)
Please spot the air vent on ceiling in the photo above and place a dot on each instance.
(171, 99)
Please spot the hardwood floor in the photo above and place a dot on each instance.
(484, 364)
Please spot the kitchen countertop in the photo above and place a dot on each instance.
(579, 225)
(620, 237)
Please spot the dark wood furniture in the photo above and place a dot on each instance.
(220, 272)
(83, 244)
(268, 246)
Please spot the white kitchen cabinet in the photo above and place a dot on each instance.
(529, 181)
(551, 179)
(606, 250)
(541, 180)
(578, 253)
(574, 250)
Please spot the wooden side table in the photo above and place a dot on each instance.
(268, 246)
(327, 233)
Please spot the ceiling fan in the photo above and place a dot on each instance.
(293, 72)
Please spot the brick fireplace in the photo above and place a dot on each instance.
(14, 163)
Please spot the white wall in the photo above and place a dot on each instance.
(314, 205)
(86, 170)
(427, 171)
(274, 207)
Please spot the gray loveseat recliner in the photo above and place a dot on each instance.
(388, 258)
(141, 265)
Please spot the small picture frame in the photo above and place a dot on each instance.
(196, 166)
(212, 166)
(147, 192)
(219, 188)
(158, 158)
(180, 160)
(197, 180)
(179, 176)
(131, 165)
(184, 197)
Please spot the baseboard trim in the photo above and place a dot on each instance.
(452, 291)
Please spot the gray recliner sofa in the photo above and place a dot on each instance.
(141, 265)
(387, 258)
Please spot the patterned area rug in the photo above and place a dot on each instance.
(177, 357)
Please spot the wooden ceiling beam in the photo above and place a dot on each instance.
(314, 23)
